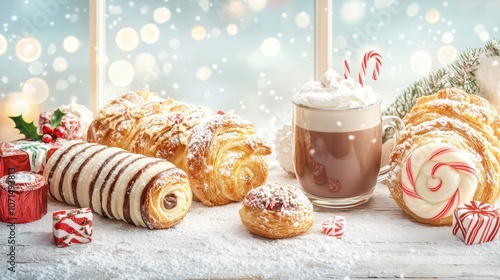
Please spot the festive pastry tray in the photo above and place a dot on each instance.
(189, 192)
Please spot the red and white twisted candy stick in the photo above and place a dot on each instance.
(347, 69)
(376, 71)
(334, 226)
(436, 178)
(476, 222)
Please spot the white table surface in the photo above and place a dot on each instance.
(380, 241)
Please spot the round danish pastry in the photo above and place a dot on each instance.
(277, 211)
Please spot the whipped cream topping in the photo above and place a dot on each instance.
(334, 92)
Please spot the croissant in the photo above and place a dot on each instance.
(117, 184)
(447, 155)
(220, 152)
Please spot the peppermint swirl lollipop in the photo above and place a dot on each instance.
(436, 178)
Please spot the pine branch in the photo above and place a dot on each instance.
(460, 74)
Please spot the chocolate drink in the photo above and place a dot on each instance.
(337, 164)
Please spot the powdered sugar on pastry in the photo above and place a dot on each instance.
(436, 178)
(277, 197)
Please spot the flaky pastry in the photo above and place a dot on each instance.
(448, 154)
(220, 152)
(117, 184)
(276, 211)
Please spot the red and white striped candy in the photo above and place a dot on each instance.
(347, 69)
(436, 178)
(376, 71)
(72, 227)
(476, 222)
(334, 226)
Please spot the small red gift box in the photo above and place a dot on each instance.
(72, 227)
(25, 155)
(476, 222)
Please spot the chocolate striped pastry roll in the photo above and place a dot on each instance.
(220, 152)
(117, 184)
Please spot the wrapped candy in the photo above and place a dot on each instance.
(476, 222)
(75, 122)
(24, 155)
(23, 197)
(72, 227)
(334, 226)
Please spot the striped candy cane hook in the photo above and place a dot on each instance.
(376, 71)
(347, 69)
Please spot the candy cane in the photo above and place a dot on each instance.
(376, 71)
(347, 69)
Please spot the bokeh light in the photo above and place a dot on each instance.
(28, 49)
(60, 64)
(145, 63)
(36, 68)
(447, 54)
(35, 90)
(161, 15)
(71, 44)
(235, 8)
(232, 29)
(270, 47)
(302, 20)
(150, 33)
(198, 33)
(3, 44)
(421, 62)
(62, 85)
(127, 39)
(432, 16)
(174, 43)
(412, 9)
(352, 12)
(203, 73)
(257, 5)
(121, 73)
(447, 38)
(166, 68)
(17, 104)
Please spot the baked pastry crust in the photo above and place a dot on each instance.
(453, 120)
(117, 184)
(220, 152)
(276, 211)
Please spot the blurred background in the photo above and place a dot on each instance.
(249, 56)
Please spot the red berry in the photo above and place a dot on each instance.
(220, 112)
(46, 129)
(59, 132)
(47, 138)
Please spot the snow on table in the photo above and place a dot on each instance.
(211, 242)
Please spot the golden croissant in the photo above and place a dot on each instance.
(219, 151)
(447, 155)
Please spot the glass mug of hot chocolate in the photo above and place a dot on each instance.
(337, 140)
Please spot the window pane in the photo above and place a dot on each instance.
(246, 56)
(44, 59)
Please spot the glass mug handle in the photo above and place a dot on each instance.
(398, 125)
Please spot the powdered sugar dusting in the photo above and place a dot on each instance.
(211, 242)
(284, 199)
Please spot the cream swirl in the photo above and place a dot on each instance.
(436, 178)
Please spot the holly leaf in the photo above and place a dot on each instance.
(56, 118)
(29, 130)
